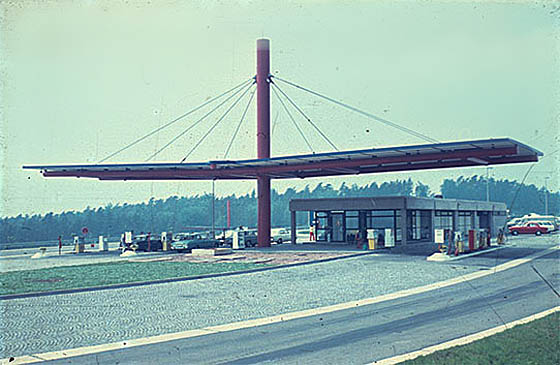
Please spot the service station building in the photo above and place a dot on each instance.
(407, 219)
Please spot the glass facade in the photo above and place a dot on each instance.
(349, 225)
(464, 223)
(322, 226)
(418, 224)
(352, 225)
(443, 219)
(483, 219)
(346, 226)
(379, 220)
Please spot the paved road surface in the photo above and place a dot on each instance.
(359, 335)
(368, 333)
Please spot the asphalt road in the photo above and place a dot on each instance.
(372, 332)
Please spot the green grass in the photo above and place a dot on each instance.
(85, 276)
(537, 342)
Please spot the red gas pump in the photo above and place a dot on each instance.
(471, 239)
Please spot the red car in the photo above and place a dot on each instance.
(529, 227)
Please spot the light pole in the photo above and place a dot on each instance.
(546, 196)
(488, 183)
(213, 208)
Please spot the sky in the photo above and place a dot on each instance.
(81, 79)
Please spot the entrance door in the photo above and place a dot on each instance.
(338, 227)
(322, 226)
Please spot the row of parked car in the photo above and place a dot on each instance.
(187, 241)
(277, 236)
(180, 242)
(533, 224)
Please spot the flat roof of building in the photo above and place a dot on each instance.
(365, 161)
(393, 202)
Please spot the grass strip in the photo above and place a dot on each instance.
(90, 275)
(537, 342)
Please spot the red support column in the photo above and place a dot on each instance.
(263, 198)
(263, 139)
(228, 213)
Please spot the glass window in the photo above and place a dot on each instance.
(443, 219)
(425, 224)
(414, 225)
(382, 219)
(352, 222)
(398, 234)
(464, 223)
(322, 226)
(381, 212)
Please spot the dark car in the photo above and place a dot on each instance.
(140, 243)
(251, 238)
(195, 240)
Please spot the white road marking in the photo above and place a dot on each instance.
(463, 340)
(88, 350)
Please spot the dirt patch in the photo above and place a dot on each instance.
(269, 258)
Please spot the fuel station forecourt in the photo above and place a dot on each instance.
(438, 155)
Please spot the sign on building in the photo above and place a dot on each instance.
(439, 236)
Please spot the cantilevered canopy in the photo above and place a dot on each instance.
(389, 159)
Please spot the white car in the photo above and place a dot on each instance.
(514, 222)
(280, 235)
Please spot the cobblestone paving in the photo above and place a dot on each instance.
(58, 322)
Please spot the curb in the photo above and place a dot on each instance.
(475, 253)
(172, 280)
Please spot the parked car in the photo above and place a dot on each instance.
(225, 238)
(280, 235)
(194, 240)
(534, 217)
(251, 238)
(549, 226)
(514, 222)
(181, 236)
(140, 243)
(528, 228)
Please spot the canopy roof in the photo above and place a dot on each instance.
(374, 160)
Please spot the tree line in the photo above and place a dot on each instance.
(178, 214)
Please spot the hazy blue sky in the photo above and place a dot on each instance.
(80, 79)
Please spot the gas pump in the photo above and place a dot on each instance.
(501, 238)
(79, 245)
(166, 240)
(389, 238)
(472, 245)
(449, 241)
(103, 245)
(371, 239)
(439, 238)
(458, 243)
(238, 242)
